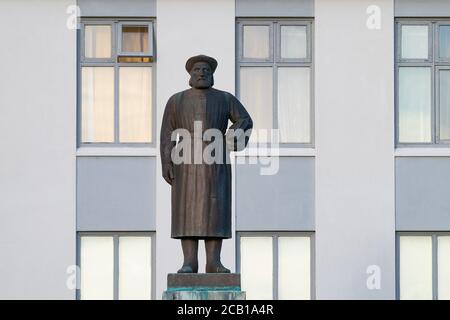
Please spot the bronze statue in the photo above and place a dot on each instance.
(201, 192)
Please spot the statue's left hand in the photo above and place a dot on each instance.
(235, 139)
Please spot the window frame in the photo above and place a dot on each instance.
(434, 249)
(116, 236)
(135, 23)
(241, 37)
(435, 64)
(275, 62)
(443, 142)
(82, 56)
(82, 61)
(430, 40)
(432, 105)
(282, 23)
(437, 43)
(275, 235)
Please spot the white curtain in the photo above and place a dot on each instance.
(135, 104)
(294, 104)
(97, 41)
(97, 268)
(414, 42)
(97, 104)
(293, 42)
(135, 39)
(416, 267)
(256, 91)
(257, 267)
(444, 104)
(294, 268)
(135, 277)
(444, 267)
(256, 42)
(414, 104)
(444, 41)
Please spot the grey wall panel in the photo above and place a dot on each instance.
(274, 8)
(284, 201)
(422, 8)
(422, 193)
(117, 8)
(115, 193)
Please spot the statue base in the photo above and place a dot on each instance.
(203, 286)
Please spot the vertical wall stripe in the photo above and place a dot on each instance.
(37, 165)
(355, 212)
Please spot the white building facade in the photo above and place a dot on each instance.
(352, 203)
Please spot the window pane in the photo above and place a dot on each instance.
(444, 104)
(444, 268)
(294, 271)
(135, 104)
(97, 104)
(293, 42)
(256, 95)
(414, 104)
(256, 42)
(97, 268)
(294, 104)
(414, 42)
(444, 41)
(416, 280)
(135, 268)
(135, 39)
(257, 267)
(97, 41)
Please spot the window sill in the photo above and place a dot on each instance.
(120, 152)
(282, 152)
(422, 152)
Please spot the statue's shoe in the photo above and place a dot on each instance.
(186, 269)
(216, 269)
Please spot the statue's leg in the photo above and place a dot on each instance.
(213, 247)
(190, 253)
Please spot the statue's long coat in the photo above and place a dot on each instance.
(201, 193)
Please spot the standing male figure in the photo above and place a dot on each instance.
(201, 192)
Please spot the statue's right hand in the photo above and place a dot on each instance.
(168, 174)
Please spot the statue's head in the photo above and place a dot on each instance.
(201, 68)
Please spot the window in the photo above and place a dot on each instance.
(424, 266)
(423, 79)
(135, 39)
(115, 266)
(116, 82)
(275, 266)
(274, 78)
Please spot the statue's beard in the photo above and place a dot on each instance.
(201, 84)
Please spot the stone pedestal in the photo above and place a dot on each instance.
(203, 286)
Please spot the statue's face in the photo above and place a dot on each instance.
(201, 75)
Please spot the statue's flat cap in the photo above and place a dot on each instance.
(201, 58)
